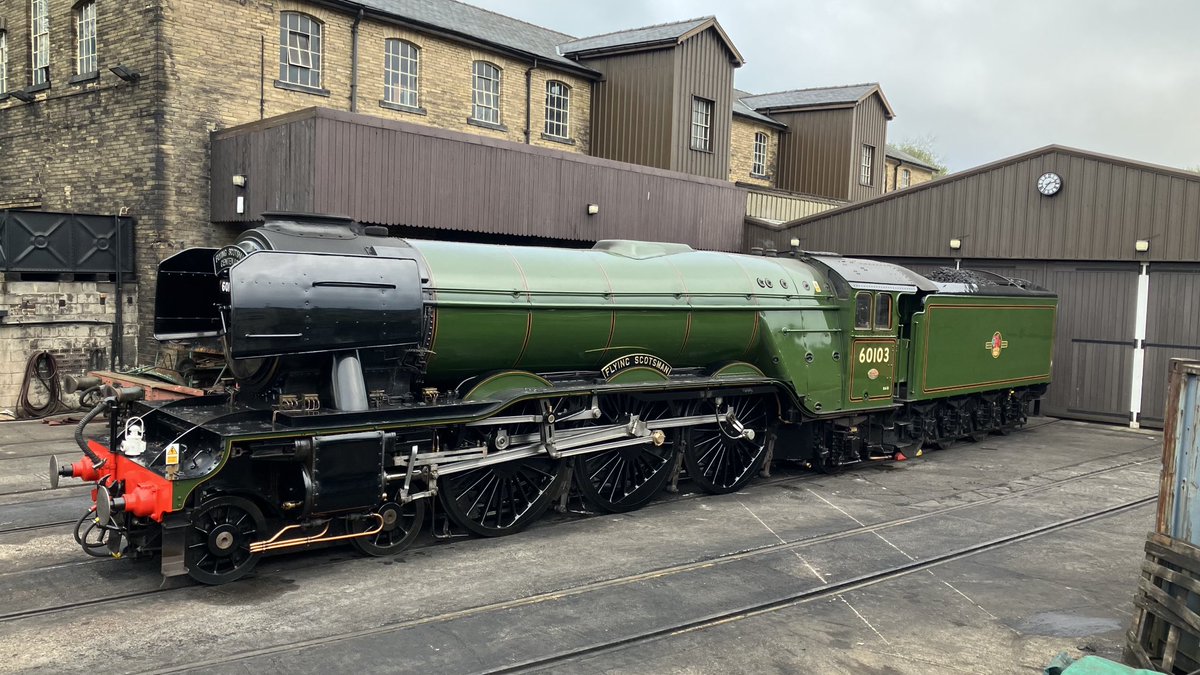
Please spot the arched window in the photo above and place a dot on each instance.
(299, 50)
(558, 109)
(86, 61)
(401, 73)
(39, 42)
(485, 92)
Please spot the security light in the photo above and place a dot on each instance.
(239, 180)
(593, 209)
(1141, 245)
(125, 73)
(955, 244)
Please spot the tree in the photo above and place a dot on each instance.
(923, 149)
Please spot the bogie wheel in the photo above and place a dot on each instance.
(401, 526)
(721, 456)
(624, 479)
(219, 537)
(504, 498)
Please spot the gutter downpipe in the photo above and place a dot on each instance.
(529, 102)
(354, 60)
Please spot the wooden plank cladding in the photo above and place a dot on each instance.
(395, 173)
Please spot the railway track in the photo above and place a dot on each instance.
(824, 590)
(336, 555)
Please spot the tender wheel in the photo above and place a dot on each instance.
(219, 538)
(501, 499)
(721, 457)
(401, 525)
(624, 479)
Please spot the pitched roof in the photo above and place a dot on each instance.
(663, 34)
(991, 166)
(744, 110)
(818, 97)
(897, 153)
(451, 16)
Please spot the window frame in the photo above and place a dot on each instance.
(86, 36)
(480, 98)
(394, 89)
(906, 178)
(875, 312)
(3, 63)
(39, 43)
(758, 165)
(306, 78)
(563, 113)
(870, 297)
(702, 118)
(866, 165)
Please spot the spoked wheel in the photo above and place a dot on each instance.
(218, 540)
(721, 456)
(624, 479)
(401, 525)
(501, 499)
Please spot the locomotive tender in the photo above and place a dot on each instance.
(379, 379)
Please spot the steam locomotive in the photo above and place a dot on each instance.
(381, 379)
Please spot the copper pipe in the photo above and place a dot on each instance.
(273, 544)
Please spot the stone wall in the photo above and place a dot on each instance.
(741, 152)
(71, 319)
(892, 175)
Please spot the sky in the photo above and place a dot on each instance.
(978, 80)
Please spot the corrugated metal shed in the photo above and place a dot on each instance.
(642, 110)
(396, 173)
(778, 207)
(995, 210)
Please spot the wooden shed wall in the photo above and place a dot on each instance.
(870, 128)
(395, 173)
(815, 152)
(703, 68)
(632, 107)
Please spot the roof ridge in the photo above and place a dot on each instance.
(837, 86)
(513, 18)
(653, 25)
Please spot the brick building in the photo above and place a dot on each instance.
(108, 107)
(905, 170)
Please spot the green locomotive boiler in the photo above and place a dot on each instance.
(383, 383)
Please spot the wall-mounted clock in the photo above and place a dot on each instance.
(1049, 183)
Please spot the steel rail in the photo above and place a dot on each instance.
(822, 591)
(185, 585)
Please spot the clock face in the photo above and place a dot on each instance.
(1049, 183)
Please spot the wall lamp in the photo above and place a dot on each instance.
(1141, 245)
(22, 95)
(955, 244)
(593, 209)
(125, 73)
(239, 180)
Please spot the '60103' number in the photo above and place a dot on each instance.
(875, 355)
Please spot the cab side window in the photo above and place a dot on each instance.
(883, 312)
(862, 311)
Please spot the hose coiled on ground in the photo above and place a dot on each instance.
(42, 367)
